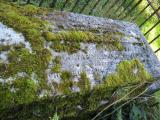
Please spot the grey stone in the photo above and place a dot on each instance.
(102, 61)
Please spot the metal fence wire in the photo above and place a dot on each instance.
(145, 13)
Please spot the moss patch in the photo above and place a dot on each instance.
(88, 101)
(24, 61)
(56, 68)
(128, 72)
(84, 83)
(22, 91)
(66, 83)
(21, 19)
(70, 40)
(24, 19)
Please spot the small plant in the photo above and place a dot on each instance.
(55, 117)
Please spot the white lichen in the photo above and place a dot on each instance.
(8, 36)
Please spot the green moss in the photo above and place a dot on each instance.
(57, 60)
(24, 61)
(84, 83)
(31, 10)
(25, 90)
(4, 48)
(66, 83)
(82, 36)
(65, 106)
(113, 45)
(21, 19)
(66, 75)
(56, 68)
(77, 36)
(90, 100)
(70, 40)
(21, 60)
(6, 96)
(66, 47)
(21, 91)
(128, 72)
(65, 87)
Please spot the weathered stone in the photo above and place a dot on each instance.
(99, 59)
(95, 59)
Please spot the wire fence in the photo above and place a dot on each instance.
(145, 13)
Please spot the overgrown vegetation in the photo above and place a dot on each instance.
(20, 96)
(22, 91)
(112, 9)
(84, 83)
(66, 84)
(57, 65)
(20, 60)
(25, 19)
(69, 41)
(22, 19)
(84, 104)
(128, 72)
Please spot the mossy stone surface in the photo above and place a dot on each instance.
(57, 74)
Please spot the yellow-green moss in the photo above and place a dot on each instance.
(128, 72)
(21, 60)
(31, 10)
(84, 83)
(65, 87)
(24, 61)
(24, 19)
(57, 65)
(21, 19)
(57, 60)
(22, 91)
(25, 90)
(56, 68)
(66, 75)
(70, 40)
(66, 83)
(75, 36)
